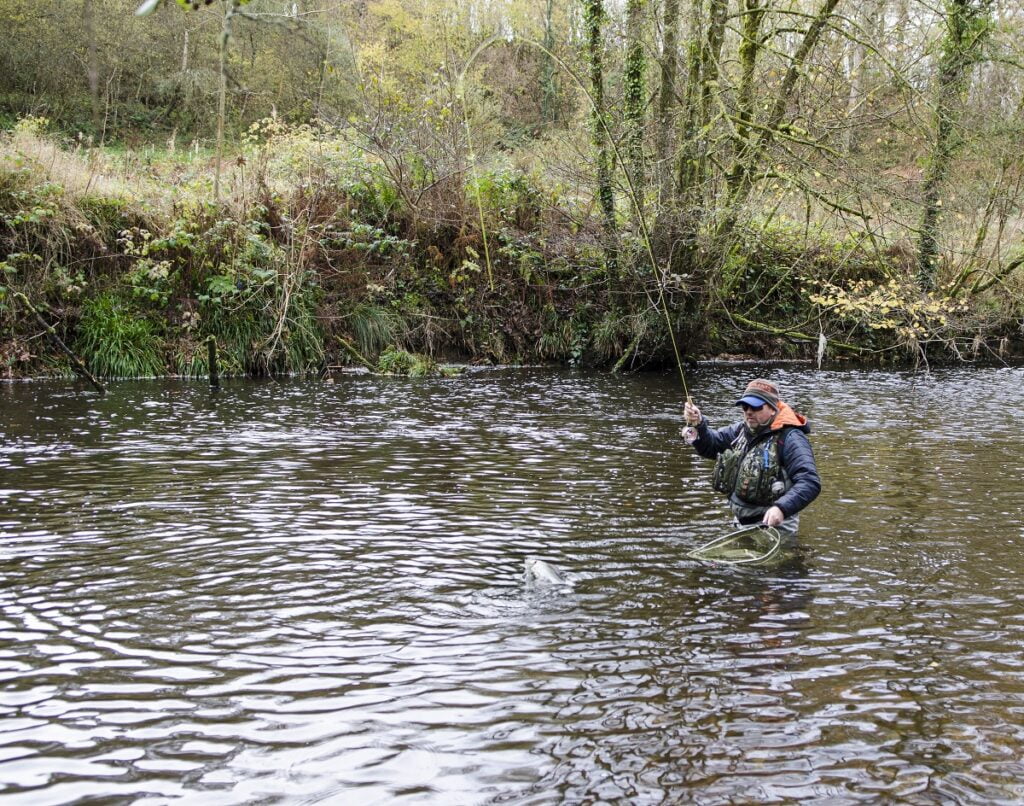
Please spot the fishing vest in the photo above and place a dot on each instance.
(753, 474)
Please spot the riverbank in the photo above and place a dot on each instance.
(314, 253)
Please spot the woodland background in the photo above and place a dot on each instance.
(314, 183)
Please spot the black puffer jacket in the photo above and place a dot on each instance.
(795, 454)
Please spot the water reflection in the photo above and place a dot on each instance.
(301, 591)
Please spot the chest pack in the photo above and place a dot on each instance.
(753, 473)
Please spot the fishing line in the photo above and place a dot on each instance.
(461, 91)
(660, 275)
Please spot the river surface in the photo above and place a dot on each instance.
(310, 592)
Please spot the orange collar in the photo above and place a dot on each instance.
(786, 416)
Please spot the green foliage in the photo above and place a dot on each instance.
(115, 342)
(62, 284)
(508, 197)
(261, 329)
(374, 327)
(302, 336)
(192, 360)
(152, 281)
(239, 332)
(368, 240)
(7, 272)
(105, 213)
(35, 206)
(376, 198)
(368, 226)
(624, 337)
(610, 334)
(395, 361)
(556, 335)
(765, 273)
(149, 279)
(578, 339)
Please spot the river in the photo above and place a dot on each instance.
(313, 592)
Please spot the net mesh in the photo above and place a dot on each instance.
(751, 545)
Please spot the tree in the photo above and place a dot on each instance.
(752, 138)
(669, 64)
(704, 56)
(92, 63)
(967, 26)
(594, 17)
(634, 78)
(549, 86)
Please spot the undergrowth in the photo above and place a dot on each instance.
(319, 258)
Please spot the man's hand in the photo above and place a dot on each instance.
(692, 414)
(773, 517)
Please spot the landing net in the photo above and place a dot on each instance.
(751, 545)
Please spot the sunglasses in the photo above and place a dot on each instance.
(746, 407)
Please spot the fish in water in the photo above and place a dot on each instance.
(544, 573)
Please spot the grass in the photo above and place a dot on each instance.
(374, 327)
(115, 342)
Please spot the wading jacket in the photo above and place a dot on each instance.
(795, 455)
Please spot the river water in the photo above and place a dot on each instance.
(312, 592)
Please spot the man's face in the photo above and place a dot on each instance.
(756, 417)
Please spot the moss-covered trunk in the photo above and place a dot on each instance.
(966, 30)
(594, 17)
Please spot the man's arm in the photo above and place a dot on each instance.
(798, 460)
(712, 441)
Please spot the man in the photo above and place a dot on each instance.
(765, 463)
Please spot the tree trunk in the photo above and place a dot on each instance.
(225, 37)
(864, 20)
(593, 13)
(965, 32)
(92, 64)
(635, 96)
(754, 146)
(666, 99)
(753, 13)
(703, 70)
(549, 88)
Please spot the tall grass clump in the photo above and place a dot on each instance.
(115, 342)
(374, 327)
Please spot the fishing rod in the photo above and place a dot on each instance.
(660, 274)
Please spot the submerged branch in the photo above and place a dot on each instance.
(76, 363)
(358, 356)
(793, 334)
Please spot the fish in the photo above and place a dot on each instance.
(541, 572)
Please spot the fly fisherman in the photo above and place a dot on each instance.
(764, 463)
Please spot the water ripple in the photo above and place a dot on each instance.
(300, 591)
